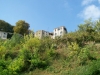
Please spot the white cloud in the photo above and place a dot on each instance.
(99, 1)
(91, 11)
(86, 2)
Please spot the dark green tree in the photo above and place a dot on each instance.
(6, 27)
(21, 27)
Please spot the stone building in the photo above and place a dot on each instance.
(41, 33)
(59, 32)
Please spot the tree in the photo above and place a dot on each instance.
(6, 27)
(88, 26)
(21, 27)
(97, 27)
(88, 30)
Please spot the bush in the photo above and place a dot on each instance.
(91, 69)
(74, 50)
(15, 39)
(3, 51)
(16, 65)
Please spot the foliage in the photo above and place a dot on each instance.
(21, 27)
(16, 65)
(77, 53)
(91, 69)
(6, 27)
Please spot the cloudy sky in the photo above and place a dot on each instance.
(49, 14)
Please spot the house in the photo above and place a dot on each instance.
(3, 35)
(59, 32)
(41, 33)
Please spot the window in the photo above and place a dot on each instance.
(60, 32)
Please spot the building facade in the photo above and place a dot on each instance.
(59, 32)
(41, 33)
(3, 35)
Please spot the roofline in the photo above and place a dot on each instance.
(42, 30)
(60, 26)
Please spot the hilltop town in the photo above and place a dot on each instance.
(57, 32)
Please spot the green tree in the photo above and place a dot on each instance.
(97, 30)
(88, 26)
(21, 27)
(6, 27)
(97, 26)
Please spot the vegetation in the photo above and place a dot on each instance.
(4, 26)
(21, 27)
(76, 53)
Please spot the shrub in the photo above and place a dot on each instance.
(74, 49)
(16, 65)
(83, 56)
(91, 69)
(15, 39)
(3, 51)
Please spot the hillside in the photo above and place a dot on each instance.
(76, 53)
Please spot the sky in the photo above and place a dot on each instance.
(49, 14)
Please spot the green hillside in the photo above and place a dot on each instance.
(76, 53)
